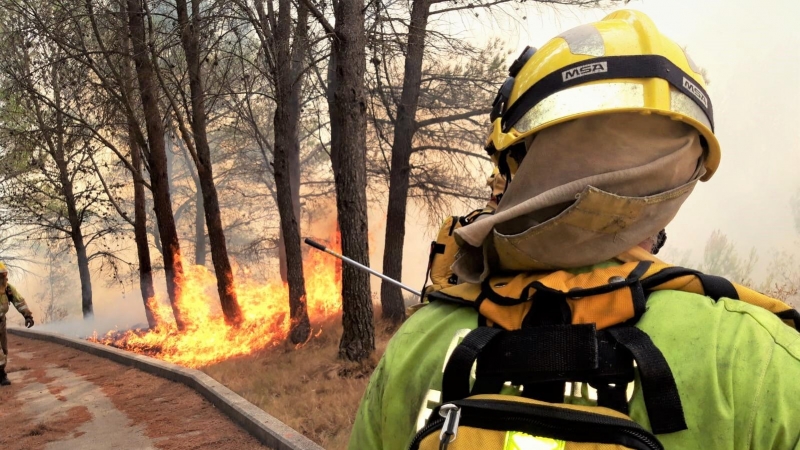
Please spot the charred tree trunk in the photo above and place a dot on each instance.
(157, 158)
(216, 234)
(286, 122)
(348, 142)
(391, 297)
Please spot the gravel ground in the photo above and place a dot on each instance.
(64, 399)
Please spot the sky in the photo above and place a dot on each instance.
(751, 51)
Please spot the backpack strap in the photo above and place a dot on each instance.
(713, 286)
(436, 249)
(660, 392)
(790, 315)
(455, 385)
(717, 287)
(531, 355)
(543, 358)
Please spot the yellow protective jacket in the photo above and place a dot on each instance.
(10, 295)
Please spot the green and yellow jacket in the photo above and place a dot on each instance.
(736, 366)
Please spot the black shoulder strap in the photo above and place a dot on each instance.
(455, 385)
(456, 220)
(717, 287)
(542, 357)
(790, 314)
(436, 249)
(658, 385)
(714, 286)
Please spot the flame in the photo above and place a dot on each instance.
(207, 339)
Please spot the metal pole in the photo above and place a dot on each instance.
(321, 247)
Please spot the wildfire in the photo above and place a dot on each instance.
(207, 339)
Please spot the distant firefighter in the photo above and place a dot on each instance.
(9, 294)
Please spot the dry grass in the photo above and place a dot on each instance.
(308, 388)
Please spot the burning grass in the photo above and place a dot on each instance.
(308, 388)
(208, 339)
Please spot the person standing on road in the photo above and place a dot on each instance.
(9, 295)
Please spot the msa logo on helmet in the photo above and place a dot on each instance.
(586, 69)
(691, 87)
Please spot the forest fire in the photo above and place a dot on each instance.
(207, 339)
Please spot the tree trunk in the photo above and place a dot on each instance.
(348, 142)
(330, 97)
(76, 234)
(157, 158)
(139, 201)
(216, 234)
(199, 210)
(86, 278)
(294, 179)
(199, 229)
(287, 90)
(391, 297)
(68, 192)
(140, 235)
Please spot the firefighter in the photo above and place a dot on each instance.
(9, 295)
(602, 133)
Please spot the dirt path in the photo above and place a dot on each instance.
(64, 399)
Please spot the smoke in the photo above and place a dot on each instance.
(121, 313)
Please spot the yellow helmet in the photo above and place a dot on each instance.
(620, 64)
(3, 268)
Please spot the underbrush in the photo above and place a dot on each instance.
(307, 388)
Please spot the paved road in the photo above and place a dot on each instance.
(64, 399)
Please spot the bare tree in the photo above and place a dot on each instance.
(56, 283)
(105, 52)
(139, 200)
(283, 47)
(197, 143)
(348, 108)
(156, 156)
(53, 194)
